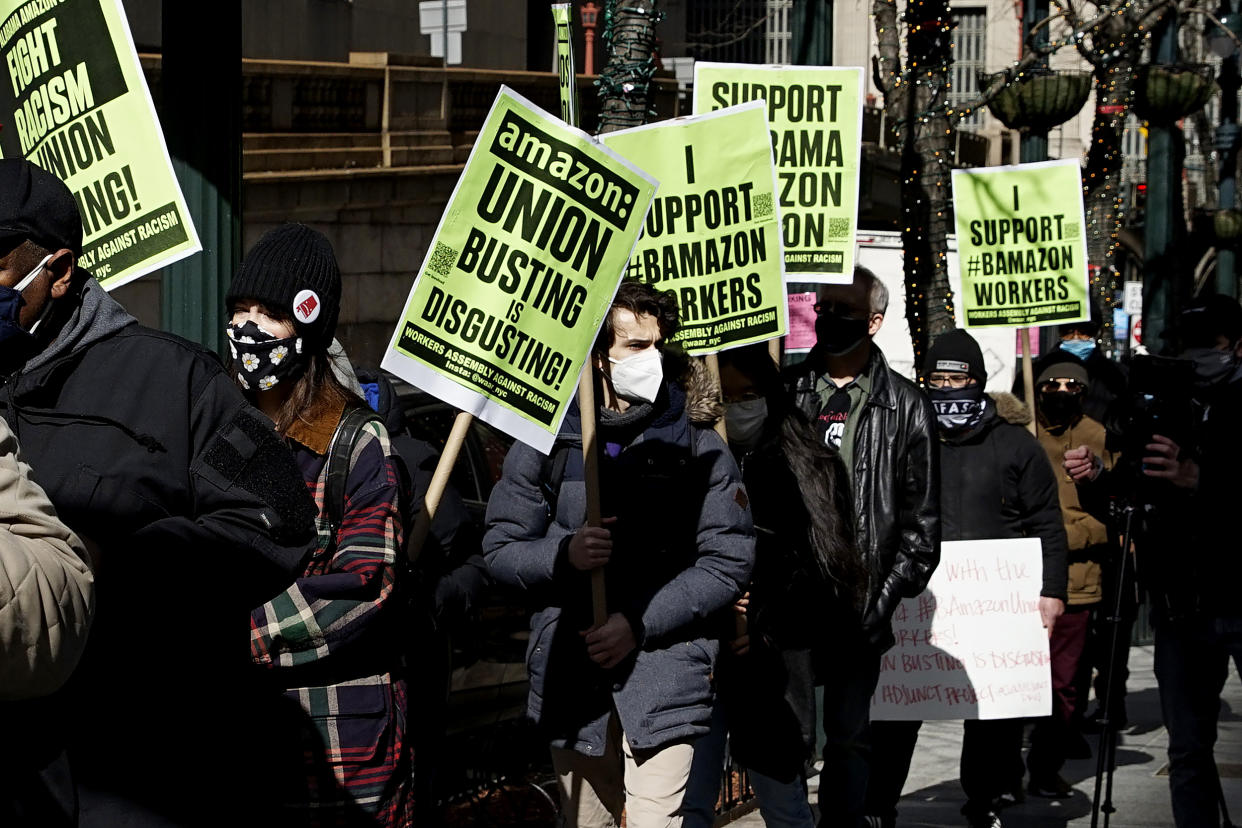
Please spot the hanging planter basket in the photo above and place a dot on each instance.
(1164, 95)
(1039, 102)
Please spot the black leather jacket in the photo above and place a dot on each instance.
(896, 480)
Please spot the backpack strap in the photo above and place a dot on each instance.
(340, 450)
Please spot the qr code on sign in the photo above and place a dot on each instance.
(763, 205)
(838, 228)
(442, 259)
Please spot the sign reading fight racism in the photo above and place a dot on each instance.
(713, 234)
(74, 101)
(1022, 245)
(972, 645)
(523, 266)
(815, 122)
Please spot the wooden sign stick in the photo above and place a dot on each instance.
(439, 482)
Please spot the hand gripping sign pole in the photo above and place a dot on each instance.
(562, 15)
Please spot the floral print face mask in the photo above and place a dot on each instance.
(261, 359)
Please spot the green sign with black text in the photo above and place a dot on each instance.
(815, 123)
(1021, 244)
(713, 234)
(74, 101)
(524, 264)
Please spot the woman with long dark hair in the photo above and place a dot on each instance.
(806, 589)
(330, 642)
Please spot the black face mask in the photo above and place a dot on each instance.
(957, 408)
(1060, 407)
(837, 334)
(261, 359)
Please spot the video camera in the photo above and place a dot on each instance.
(1159, 401)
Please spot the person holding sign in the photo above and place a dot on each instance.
(331, 641)
(623, 701)
(192, 507)
(807, 588)
(885, 430)
(995, 482)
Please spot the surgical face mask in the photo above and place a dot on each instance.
(744, 421)
(957, 408)
(261, 359)
(638, 378)
(838, 334)
(11, 304)
(1211, 365)
(1080, 348)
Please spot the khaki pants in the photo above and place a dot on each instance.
(648, 784)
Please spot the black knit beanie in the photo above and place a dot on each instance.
(36, 205)
(956, 351)
(293, 269)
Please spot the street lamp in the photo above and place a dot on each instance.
(1224, 44)
(590, 13)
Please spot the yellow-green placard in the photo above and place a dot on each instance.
(815, 119)
(74, 101)
(566, 75)
(1022, 245)
(524, 264)
(713, 234)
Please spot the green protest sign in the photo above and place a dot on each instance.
(815, 118)
(523, 266)
(76, 103)
(713, 234)
(562, 16)
(1022, 246)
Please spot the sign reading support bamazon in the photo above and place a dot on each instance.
(1022, 244)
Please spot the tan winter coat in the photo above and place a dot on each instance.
(47, 591)
(1086, 534)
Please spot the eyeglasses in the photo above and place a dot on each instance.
(954, 381)
(1073, 386)
(838, 308)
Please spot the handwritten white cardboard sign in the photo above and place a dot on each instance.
(972, 646)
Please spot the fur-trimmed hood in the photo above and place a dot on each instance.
(1011, 409)
(703, 404)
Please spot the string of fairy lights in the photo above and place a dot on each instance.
(625, 81)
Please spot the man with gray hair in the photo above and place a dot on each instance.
(885, 429)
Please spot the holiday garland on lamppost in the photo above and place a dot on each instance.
(625, 83)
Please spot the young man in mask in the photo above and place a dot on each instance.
(995, 482)
(194, 513)
(1188, 559)
(884, 427)
(622, 702)
(1061, 388)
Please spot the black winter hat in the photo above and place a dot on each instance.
(36, 206)
(956, 351)
(293, 269)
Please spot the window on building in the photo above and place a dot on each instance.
(969, 48)
(734, 31)
(777, 34)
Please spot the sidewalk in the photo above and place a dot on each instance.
(932, 795)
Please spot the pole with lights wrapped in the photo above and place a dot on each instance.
(624, 85)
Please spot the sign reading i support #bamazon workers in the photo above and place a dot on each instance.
(713, 233)
(1022, 244)
(524, 264)
(815, 122)
(74, 101)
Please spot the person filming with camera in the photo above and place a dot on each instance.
(1195, 613)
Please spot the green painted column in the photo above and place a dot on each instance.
(811, 27)
(201, 115)
(1164, 150)
(1033, 145)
